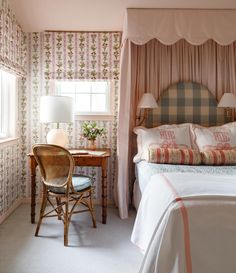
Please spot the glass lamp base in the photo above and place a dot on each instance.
(57, 137)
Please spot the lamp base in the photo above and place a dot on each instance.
(57, 137)
(229, 114)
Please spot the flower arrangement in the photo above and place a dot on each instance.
(91, 131)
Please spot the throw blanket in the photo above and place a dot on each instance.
(187, 224)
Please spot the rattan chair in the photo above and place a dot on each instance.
(56, 167)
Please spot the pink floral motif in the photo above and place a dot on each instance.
(223, 146)
(169, 144)
(173, 145)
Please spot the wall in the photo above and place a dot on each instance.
(37, 58)
(68, 55)
(12, 58)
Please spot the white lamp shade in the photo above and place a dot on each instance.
(147, 101)
(56, 109)
(227, 100)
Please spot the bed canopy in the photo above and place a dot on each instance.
(168, 27)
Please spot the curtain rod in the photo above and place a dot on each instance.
(83, 31)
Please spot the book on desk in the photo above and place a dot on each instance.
(86, 152)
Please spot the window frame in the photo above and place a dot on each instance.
(93, 115)
(9, 101)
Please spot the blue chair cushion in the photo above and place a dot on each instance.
(80, 182)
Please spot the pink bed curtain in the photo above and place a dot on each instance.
(151, 66)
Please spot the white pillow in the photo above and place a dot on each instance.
(216, 137)
(164, 136)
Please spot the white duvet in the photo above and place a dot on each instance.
(186, 223)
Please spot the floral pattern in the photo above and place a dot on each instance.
(81, 55)
(12, 155)
(37, 58)
(70, 55)
(11, 41)
(10, 179)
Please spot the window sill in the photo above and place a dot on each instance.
(8, 141)
(94, 117)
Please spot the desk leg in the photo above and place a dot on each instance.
(33, 188)
(104, 191)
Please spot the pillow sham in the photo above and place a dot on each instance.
(174, 156)
(165, 136)
(215, 138)
(219, 157)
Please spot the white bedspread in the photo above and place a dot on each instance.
(187, 223)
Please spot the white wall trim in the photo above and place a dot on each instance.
(4, 142)
(4, 216)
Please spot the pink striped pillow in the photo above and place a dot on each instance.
(219, 157)
(174, 156)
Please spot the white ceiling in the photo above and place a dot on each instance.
(93, 15)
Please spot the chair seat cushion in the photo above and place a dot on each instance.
(80, 182)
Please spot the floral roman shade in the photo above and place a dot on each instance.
(82, 55)
(12, 41)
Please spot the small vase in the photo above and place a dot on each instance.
(92, 144)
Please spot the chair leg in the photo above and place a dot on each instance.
(66, 222)
(43, 206)
(58, 199)
(90, 204)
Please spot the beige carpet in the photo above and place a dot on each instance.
(106, 249)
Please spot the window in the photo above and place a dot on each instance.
(7, 105)
(90, 97)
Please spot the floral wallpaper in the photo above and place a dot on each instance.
(12, 57)
(11, 41)
(38, 58)
(10, 178)
(68, 55)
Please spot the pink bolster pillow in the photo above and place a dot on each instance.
(219, 157)
(174, 156)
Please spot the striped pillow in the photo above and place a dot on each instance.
(219, 157)
(174, 156)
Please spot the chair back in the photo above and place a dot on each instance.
(56, 164)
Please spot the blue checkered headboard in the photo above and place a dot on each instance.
(186, 102)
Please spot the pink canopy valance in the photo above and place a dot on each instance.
(170, 25)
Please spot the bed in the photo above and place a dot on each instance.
(184, 222)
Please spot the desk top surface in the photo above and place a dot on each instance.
(76, 152)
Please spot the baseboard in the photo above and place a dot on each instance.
(28, 201)
(10, 211)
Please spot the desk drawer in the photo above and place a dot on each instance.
(88, 161)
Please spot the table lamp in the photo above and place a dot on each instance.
(56, 109)
(228, 101)
(146, 102)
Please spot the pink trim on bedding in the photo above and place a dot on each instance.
(186, 225)
(191, 157)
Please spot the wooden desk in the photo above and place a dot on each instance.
(89, 160)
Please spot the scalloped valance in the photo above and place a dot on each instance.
(170, 25)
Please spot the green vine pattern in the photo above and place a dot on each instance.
(58, 55)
